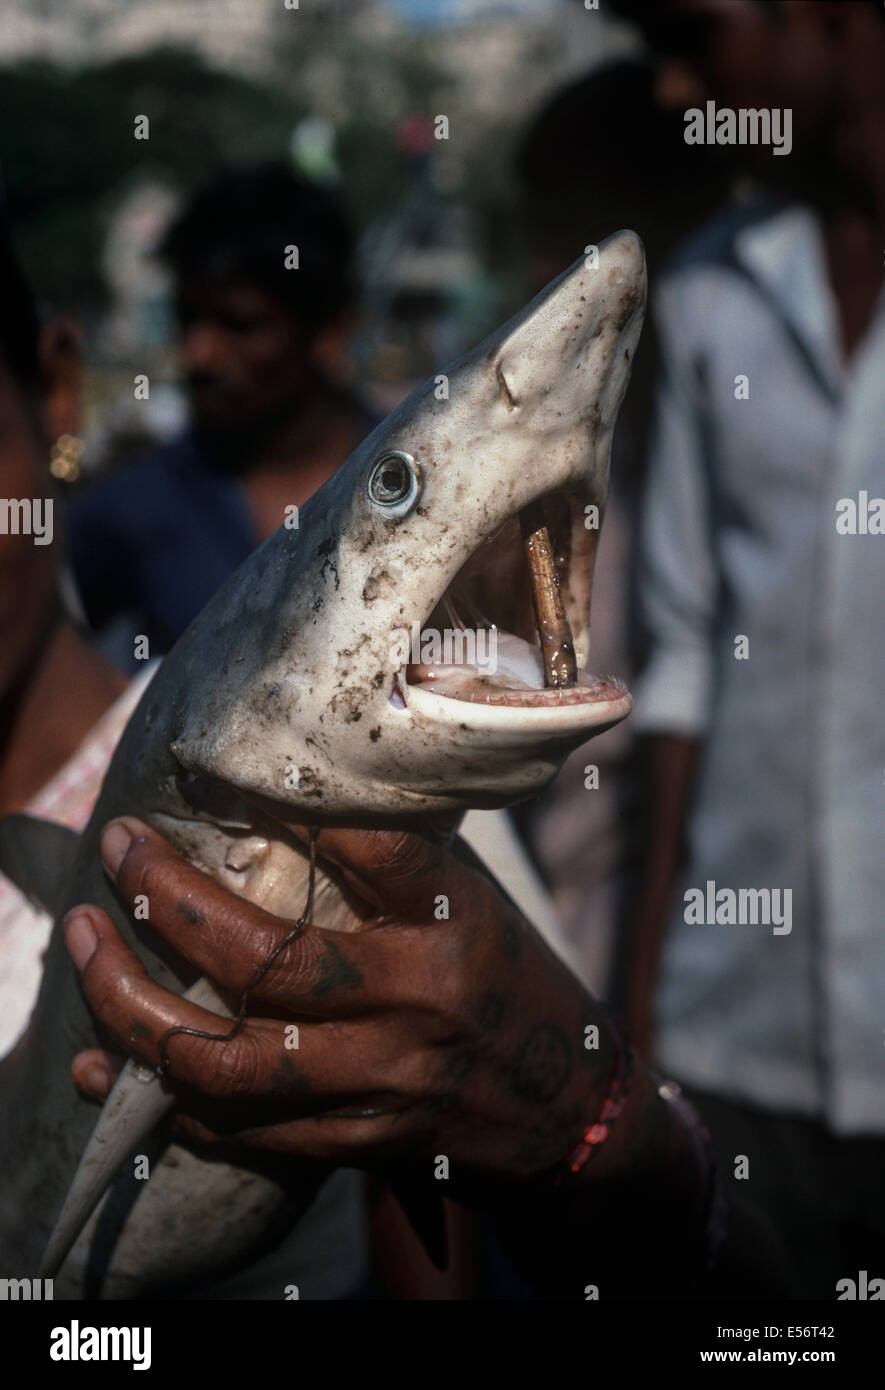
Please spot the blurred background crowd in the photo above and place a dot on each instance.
(436, 162)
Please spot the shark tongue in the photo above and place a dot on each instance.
(489, 663)
(514, 665)
(557, 646)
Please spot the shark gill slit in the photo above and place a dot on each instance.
(554, 632)
(295, 930)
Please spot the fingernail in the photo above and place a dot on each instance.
(96, 1080)
(81, 938)
(115, 841)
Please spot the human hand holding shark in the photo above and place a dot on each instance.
(416, 1036)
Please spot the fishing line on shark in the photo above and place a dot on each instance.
(163, 1068)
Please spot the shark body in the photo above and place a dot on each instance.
(288, 701)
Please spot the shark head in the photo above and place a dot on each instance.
(328, 676)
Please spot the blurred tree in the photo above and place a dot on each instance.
(68, 155)
(365, 84)
(372, 84)
(67, 149)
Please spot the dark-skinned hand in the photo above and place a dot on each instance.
(416, 1036)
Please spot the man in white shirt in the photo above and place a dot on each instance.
(761, 571)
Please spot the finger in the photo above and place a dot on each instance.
(264, 1059)
(356, 1135)
(400, 872)
(235, 942)
(95, 1071)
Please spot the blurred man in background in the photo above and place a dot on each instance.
(641, 175)
(761, 582)
(264, 292)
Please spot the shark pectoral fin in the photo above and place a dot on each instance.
(136, 1104)
(37, 855)
(131, 1111)
(424, 1210)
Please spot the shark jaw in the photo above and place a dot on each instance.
(562, 367)
(494, 598)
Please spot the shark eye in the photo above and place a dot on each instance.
(394, 483)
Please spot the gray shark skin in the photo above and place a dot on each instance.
(286, 702)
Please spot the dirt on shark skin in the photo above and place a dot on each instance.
(288, 701)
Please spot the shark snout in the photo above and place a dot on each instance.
(567, 359)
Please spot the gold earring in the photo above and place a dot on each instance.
(64, 457)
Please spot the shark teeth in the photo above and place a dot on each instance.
(523, 574)
(601, 689)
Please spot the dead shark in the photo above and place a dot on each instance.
(293, 699)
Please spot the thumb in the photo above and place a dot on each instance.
(398, 871)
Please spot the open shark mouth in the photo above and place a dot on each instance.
(512, 629)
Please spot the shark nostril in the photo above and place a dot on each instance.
(509, 398)
(397, 698)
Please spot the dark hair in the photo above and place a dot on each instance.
(562, 147)
(238, 227)
(19, 321)
(667, 31)
(576, 183)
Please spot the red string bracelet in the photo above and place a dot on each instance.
(712, 1204)
(596, 1134)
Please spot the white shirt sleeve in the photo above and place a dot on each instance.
(677, 575)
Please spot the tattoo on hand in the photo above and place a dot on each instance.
(460, 1062)
(289, 1080)
(191, 914)
(510, 939)
(543, 1065)
(489, 1011)
(335, 971)
(549, 1140)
